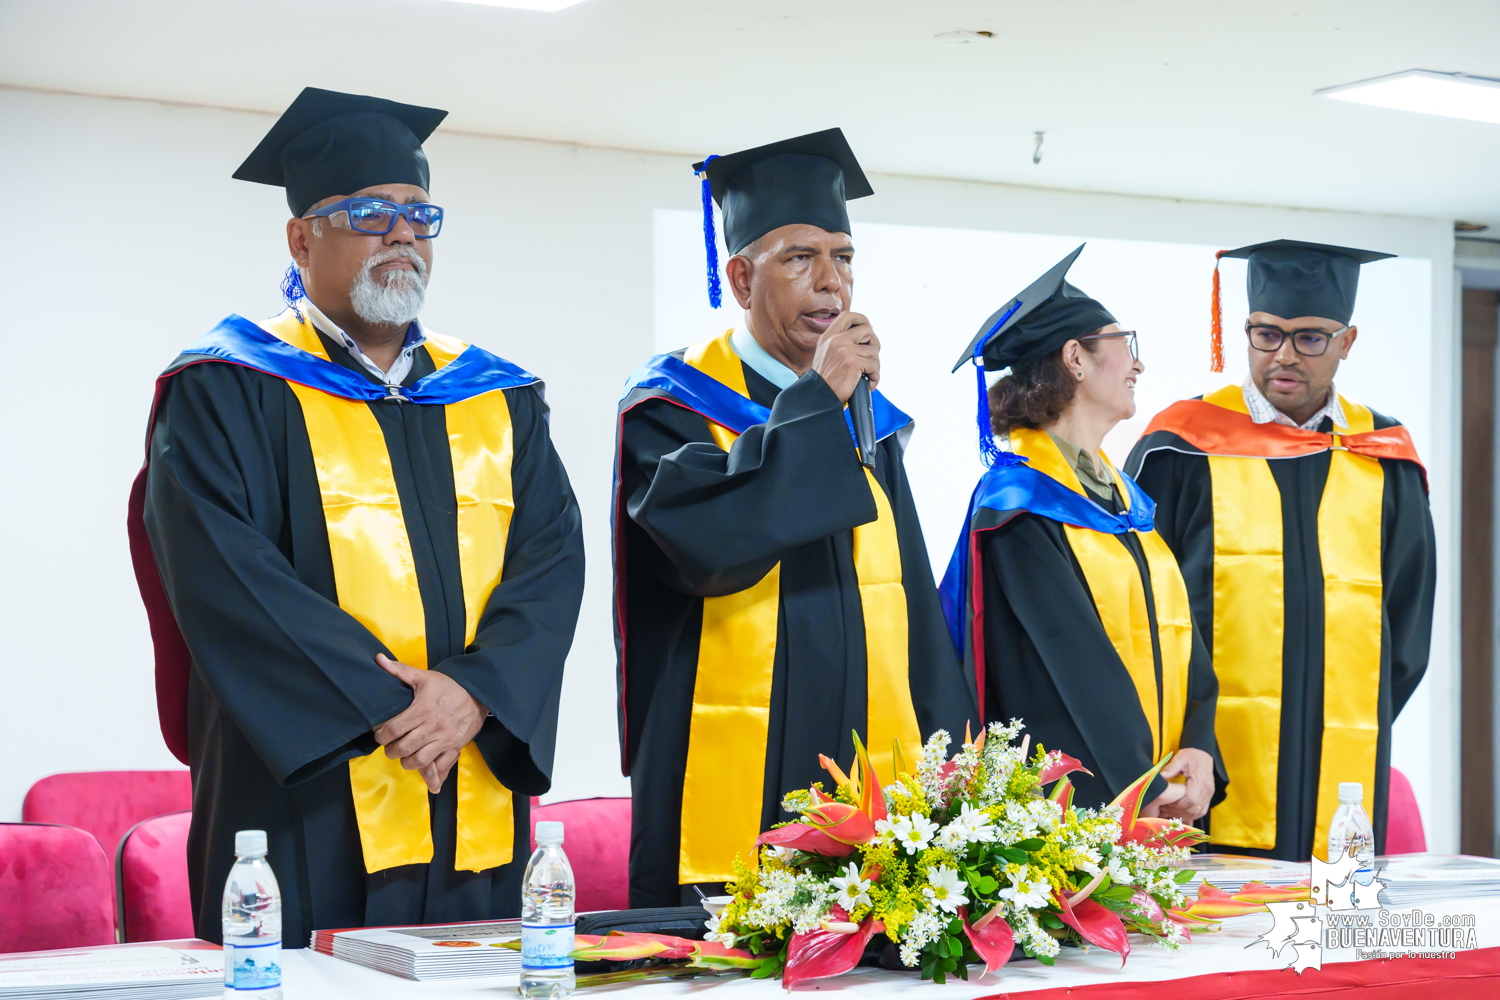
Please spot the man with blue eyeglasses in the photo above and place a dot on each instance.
(361, 559)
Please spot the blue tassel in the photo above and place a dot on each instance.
(292, 290)
(989, 451)
(710, 241)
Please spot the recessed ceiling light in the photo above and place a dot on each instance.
(1453, 95)
(547, 5)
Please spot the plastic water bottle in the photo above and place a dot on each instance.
(547, 918)
(1351, 831)
(252, 923)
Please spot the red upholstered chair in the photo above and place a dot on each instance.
(55, 889)
(596, 838)
(151, 879)
(1403, 824)
(107, 803)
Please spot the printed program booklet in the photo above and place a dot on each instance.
(161, 970)
(447, 951)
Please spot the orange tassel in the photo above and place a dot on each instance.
(1216, 330)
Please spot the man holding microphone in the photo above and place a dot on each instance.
(773, 593)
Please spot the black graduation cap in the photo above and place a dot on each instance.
(330, 143)
(1044, 317)
(1289, 278)
(802, 180)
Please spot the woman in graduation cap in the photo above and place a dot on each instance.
(1067, 607)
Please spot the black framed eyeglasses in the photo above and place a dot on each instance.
(376, 216)
(1130, 341)
(1308, 343)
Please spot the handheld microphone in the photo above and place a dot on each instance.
(862, 415)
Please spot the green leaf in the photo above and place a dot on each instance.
(1014, 855)
(1051, 920)
(1044, 959)
(1183, 877)
(987, 885)
(1033, 844)
(955, 926)
(948, 964)
(962, 971)
(1105, 850)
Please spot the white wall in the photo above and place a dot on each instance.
(547, 259)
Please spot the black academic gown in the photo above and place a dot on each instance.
(700, 522)
(1049, 662)
(1182, 487)
(288, 689)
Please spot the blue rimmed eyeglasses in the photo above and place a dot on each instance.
(376, 216)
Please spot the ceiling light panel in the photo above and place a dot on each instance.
(1452, 95)
(547, 5)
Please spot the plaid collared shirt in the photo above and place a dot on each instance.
(415, 338)
(1262, 411)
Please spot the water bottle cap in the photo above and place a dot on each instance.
(1351, 791)
(549, 832)
(250, 843)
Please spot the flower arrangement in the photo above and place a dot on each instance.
(958, 861)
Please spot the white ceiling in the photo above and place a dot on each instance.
(1205, 99)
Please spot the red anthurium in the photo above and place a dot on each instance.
(818, 953)
(1096, 925)
(1059, 764)
(845, 823)
(993, 942)
(802, 837)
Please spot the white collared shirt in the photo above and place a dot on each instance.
(415, 338)
(760, 360)
(1263, 411)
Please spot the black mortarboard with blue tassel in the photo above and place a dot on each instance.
(1044, 317)
(803, 180)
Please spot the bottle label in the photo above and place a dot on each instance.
(252, 966)
(547, 946)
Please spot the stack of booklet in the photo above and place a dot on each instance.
(165, 970)
(1426, 878)
(450, 951)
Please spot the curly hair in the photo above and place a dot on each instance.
(1036, 392)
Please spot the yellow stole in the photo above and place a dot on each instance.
(1249, 627)
(1114, 580)
(724, 782)
(376, 579)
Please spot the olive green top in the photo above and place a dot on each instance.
(1083, 464)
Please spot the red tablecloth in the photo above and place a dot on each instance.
(1473, 975)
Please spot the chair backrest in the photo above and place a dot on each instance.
(151, 880)
(55, 889)
(597, 841)
(1403, 823)
(107, 803)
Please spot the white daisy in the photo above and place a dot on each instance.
(910, 956)
(914, 832)
(1119, 874)
(976, 824)
(853, 890)
(945, 889)
(1025, 891)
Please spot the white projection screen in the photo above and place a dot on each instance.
(926, 290)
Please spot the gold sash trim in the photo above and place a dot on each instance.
(375, 575)
(724, 781)
(1114, 580)
(1249, 577)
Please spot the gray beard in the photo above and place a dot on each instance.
(397, 299)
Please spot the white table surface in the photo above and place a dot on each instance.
(310, 976)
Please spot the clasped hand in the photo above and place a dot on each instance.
(441, 720)
(1188, 800)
